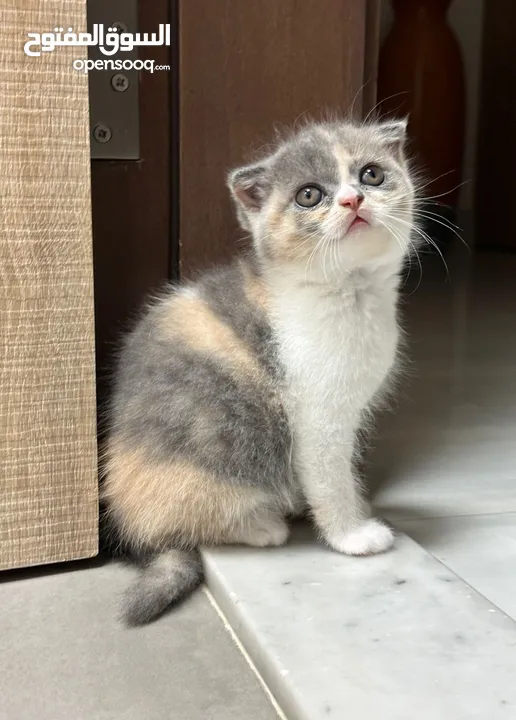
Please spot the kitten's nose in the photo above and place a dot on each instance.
(350, 199)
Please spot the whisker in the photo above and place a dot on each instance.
(432, 197)
(300, 245)
(414, 227)
(420, 211)
(431, 242)
(434, 217)
(434, 179)
(312, 255)
(397, 236)
(371, 111)
(327, 246)
(358, 92)
(414, 248)
(336, 255)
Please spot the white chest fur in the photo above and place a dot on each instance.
(337, 346)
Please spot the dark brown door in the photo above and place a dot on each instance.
(245, 67)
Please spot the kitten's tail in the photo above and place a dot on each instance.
(164, 581)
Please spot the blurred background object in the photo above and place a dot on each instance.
(421, 75)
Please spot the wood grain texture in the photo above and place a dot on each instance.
(48, 485)
(245, 67)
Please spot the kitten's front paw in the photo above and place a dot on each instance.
(371, 537)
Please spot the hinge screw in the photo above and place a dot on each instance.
(102, 133)
(120, 82)
(120, 27)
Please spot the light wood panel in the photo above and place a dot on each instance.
(48, 481)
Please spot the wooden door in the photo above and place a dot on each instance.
(246, 67)
(48, 478)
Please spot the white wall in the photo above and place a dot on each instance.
(465, 17)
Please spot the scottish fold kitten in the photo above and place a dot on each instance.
(238, 397)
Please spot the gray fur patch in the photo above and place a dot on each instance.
(163, 582)
(307, 156)
(175, 402)
(224, 293)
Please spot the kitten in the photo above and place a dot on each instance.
(238, 397)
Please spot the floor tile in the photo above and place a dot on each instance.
(390, 636)
(480, 549)
(64, 656)
(447, 446)
(444, 472)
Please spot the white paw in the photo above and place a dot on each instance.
(271, 533)
(371, 537)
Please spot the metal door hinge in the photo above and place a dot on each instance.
(114, 115)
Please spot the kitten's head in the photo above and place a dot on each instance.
(333, 198)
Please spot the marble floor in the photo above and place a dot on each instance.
(429, 629)
(448, 446)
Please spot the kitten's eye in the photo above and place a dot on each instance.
(372, 175)
(309, 196)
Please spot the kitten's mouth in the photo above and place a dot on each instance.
(357, 223)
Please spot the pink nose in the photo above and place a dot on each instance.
(351, 200)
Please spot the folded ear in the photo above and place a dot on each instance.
(249, 186)
(394, 134)
(394, 131)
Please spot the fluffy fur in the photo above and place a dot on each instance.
(238, 398)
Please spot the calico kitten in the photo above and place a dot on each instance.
(238, 397)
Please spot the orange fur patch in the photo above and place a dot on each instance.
(190, 319)
(254, 288)
(292, 236)
(156, 502)
(343, 160)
